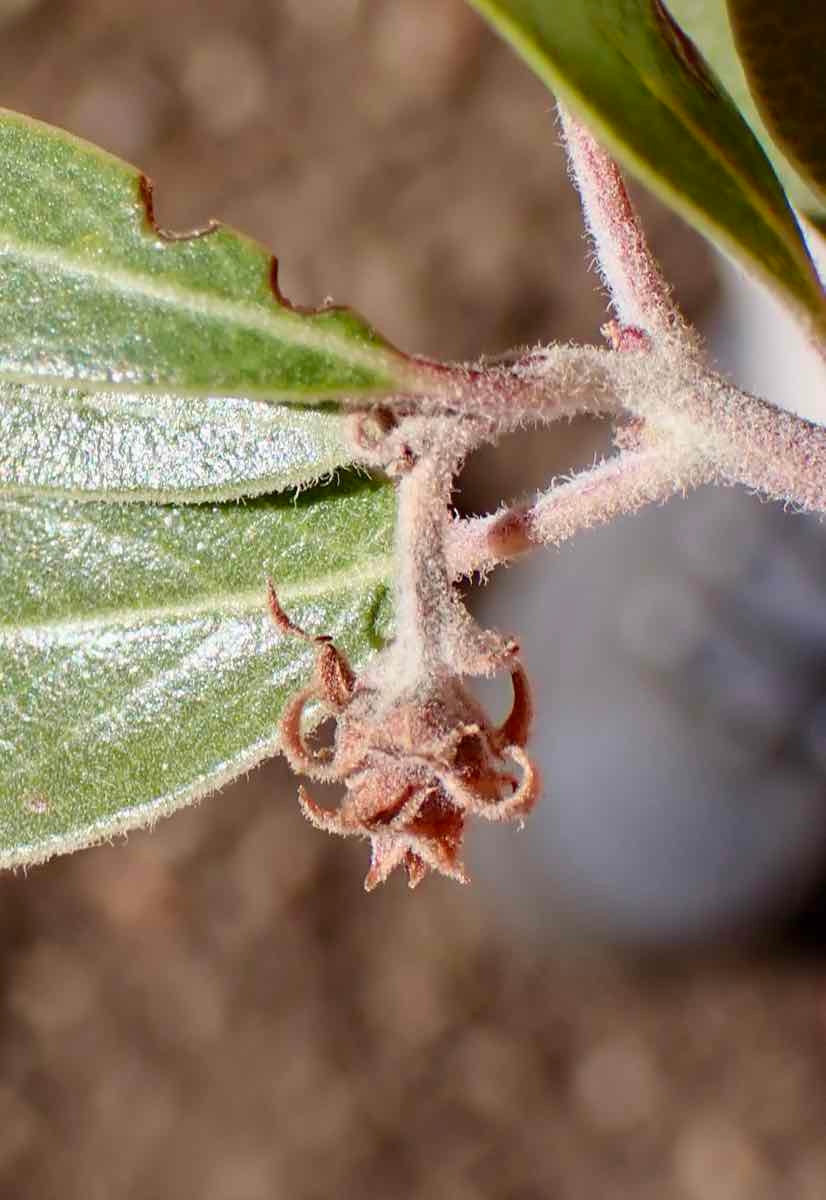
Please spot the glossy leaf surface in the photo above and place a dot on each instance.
(633, 76)
(139, 667)
(782, 45)
(707, 23)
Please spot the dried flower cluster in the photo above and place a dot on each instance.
(414, 764)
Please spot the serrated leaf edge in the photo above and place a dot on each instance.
(240, 313)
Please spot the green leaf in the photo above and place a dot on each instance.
(123, 445)
(635, 78)
(139, 666)
(96, 295)
(783, 50)
(707, 22)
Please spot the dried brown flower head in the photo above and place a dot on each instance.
(415, 763)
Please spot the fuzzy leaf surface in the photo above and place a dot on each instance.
(628, 70)
(707, 22)
(131, 446)
(782, 44)
(139, 666)
(95, 295)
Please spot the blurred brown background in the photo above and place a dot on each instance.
(215, 1009)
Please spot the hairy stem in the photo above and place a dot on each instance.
(423, 583)
(687, 426)
(767, 449)
(639, 294)
(436, 634)
(622, 484)
(538, 386)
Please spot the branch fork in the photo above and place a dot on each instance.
(414, 750)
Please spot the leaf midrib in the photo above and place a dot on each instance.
(281, 322)
(228, 604)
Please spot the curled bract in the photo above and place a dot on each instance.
(415, 761)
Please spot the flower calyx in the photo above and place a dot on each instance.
(415, 760)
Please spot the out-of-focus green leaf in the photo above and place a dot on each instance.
(139, 667)
(94, 294)
(707, 23)
(633, 76)
(782, 44)
(123, 445)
